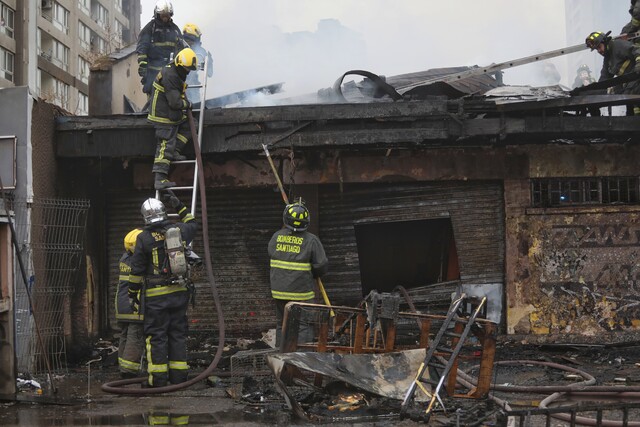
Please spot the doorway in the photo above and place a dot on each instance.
(406, 253)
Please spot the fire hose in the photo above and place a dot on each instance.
(585, 388)
(118, 387)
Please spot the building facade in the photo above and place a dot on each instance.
(50, 45)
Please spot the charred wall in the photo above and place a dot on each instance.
(572, 269)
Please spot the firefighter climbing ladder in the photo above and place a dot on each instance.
(438, 345)
(198, 140)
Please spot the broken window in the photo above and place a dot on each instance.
(584, 191)
(406, 253)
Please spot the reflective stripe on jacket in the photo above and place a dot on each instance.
(296, 258)
(168, 99)
(157, 41)
(149, 256)
(124, 311)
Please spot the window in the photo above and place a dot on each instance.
(6, 20)
(83, 70)
(585, 191)
(61, 94)
(60, 18)
(84, 35)
(83, 104)
(118, 4)
(118, 28)
(98, 44)
(102, 17)
(85, 6)
(60, 55)
(6, 64)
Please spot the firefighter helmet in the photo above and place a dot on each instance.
(163, 6)
(594, 39)
(153, 211)
(187, 58)
(191, 33)
(130, 240)
(584, 67)
(296, 216)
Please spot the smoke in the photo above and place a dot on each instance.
(308, 44)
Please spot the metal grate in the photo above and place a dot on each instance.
(50, 233)
(251, 363)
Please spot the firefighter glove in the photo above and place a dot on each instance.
(172, 200)
(142, 69)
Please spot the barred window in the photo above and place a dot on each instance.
(552, 192)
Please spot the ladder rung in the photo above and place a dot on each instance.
(436, 365)
(428, 381)
(180, 188)
(182, 162)
(453, 335)
(444, 349)
(173, 215)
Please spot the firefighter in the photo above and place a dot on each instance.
(167, 112)
(633, 25)
(193, 37)
(297, 257)
(166, 294)
(158, 41)
(129, 316)
(619, 59)
(583, 76)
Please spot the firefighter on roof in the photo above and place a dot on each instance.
(166, 293)
(193, 37)
(129, 314)
(620, 57)
(167, 112)
(158, 41)
(297, 258)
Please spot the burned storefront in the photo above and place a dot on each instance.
(518, 195)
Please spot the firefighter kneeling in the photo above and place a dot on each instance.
(159, 263)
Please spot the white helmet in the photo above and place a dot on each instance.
(153, 211)
(163, 6)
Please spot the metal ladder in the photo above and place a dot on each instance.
(437, 345)
(200, 111)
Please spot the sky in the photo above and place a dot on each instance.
(309, 44)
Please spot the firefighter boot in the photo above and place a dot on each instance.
(162, 182)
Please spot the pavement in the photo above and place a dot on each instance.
(226, 400)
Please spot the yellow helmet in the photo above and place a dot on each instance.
(130, 239)
(191, 31)
(187, 58)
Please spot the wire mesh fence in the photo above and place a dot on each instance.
(50, 235)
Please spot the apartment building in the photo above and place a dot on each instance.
(50, 45)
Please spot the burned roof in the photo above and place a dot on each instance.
(412, 86)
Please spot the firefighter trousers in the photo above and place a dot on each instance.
(171, 140)
(131, 347)
(165, 329)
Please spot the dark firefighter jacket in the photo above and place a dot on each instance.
(149, 258)
(620, 58)
(156, 42)
(168, 99)
(124, 311)
(296, 259)
(634, 24)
